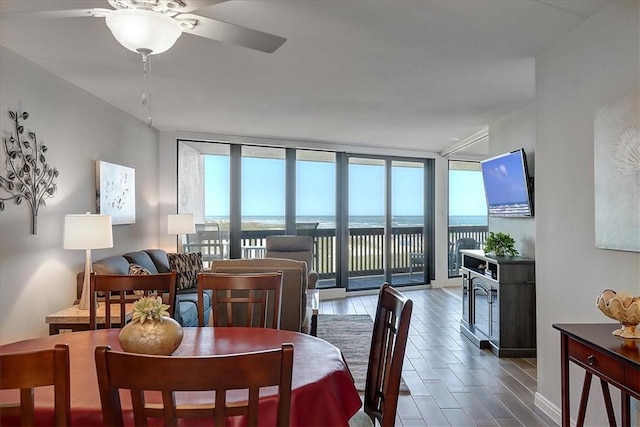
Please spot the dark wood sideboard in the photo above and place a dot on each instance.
(499, 303)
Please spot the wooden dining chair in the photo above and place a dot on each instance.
(250, 300)
(388, 344)
(27, 370)
(119, 290)
(168, 374)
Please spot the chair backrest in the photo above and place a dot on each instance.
(118, 290)
(250, 299)
(27, 370)
(298, 248)
(388, 344)
(168, 374)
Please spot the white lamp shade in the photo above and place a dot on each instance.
(181, 224)
(138, 29)
(87, 231)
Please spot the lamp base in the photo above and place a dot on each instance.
(85, 297)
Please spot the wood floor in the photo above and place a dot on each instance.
(452, 382)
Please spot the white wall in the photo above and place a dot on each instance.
(38, 276)
(594, 66)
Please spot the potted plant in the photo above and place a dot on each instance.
(151, 330)
(500, 244)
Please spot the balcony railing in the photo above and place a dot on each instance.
(366, 248)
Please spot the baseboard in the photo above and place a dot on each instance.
(546, 406)
(332, 293)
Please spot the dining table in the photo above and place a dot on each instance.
(323, 391)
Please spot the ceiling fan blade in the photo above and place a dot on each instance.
(232, 33)
(71, 13)
(193, 5)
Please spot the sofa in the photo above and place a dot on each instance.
(155, 261)
(294, 314)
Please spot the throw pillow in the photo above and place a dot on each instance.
(138, 270)
(187, 267)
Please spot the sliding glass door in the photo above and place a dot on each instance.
(407, 251)
(386, 223)
(366, 236)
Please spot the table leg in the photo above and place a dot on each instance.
(607, 402)
(564, 380)
(584, 398)
(626, 409)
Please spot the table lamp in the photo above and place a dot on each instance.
(180, 224)
(87, 232)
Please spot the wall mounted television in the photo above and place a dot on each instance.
(507, 185)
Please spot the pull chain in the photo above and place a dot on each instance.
(146, 96)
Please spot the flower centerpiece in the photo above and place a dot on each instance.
(151, 330)
(500, 244)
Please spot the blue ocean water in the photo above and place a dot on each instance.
(361, 221)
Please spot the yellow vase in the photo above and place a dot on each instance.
(151, 337)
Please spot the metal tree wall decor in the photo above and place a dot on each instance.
(29, 178)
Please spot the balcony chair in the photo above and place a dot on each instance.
(249, 300)
(298, 248)
(27, 370)
(455, 257)
(208, 241)
(388, 344)
(168, 374)
(120, 290)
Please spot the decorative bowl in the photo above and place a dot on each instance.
(624, 308)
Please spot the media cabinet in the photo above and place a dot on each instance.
(499, 303)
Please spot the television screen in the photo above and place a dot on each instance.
(506, 185)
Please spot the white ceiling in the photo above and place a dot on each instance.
(415, 75)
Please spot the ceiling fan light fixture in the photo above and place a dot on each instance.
(140, 29)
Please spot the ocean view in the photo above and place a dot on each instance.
(356, 221)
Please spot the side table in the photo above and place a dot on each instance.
(73, 319)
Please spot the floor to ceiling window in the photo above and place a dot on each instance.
(468, 224)
(262, 197)
(316, 207)
(367, 214)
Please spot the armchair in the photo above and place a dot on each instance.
(294, 313)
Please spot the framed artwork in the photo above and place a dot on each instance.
(617, 175)
(116, 192)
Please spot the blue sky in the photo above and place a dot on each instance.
(263, 189)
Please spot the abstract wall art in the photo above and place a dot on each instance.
(116, 192)
(617, 175)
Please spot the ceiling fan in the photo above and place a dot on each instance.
(150, 27)
(153, 26)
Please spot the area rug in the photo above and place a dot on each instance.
(352, 335)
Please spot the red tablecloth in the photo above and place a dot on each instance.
(323, 393)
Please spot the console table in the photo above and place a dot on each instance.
(614, 360)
